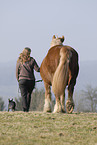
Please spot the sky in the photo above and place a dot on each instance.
(32, 23)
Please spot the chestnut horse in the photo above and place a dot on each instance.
(59, 69)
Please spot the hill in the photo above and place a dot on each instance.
(38, 128)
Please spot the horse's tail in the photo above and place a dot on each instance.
(61, 74)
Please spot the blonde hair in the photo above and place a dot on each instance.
(25, 55)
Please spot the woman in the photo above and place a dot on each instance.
(25, 76)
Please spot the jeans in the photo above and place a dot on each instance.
(26, 88)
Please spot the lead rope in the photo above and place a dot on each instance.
(38, 81)
(35, 81)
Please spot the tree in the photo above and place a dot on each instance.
(37, 100)
(18, 104)
(2, 106)
(91, 95)
(88, 100)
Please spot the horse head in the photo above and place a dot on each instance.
(57, 40)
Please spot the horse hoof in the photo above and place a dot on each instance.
(63, 111)
(47, 111)
(69, 106)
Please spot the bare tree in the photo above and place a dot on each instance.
(37, 100)
(18, 104)
(91, 95)
(88, 100)
(2, 106)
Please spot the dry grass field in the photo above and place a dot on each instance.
(38, 128)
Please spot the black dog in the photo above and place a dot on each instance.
(11, 105)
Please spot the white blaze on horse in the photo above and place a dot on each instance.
(59, 69)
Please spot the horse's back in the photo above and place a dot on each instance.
(51, 61)
(49, 64)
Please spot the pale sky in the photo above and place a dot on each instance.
(32, 23)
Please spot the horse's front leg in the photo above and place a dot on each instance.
(47, 105)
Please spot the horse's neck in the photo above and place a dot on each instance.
(54, 43)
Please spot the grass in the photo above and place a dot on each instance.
(38, 128)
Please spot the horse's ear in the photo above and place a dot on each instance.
(62, 39)
(54, 37)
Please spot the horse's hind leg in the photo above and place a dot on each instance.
(47, 105)
(70, 102)
(57, 107)
(62, 99)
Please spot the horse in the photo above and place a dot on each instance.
(59, 69)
